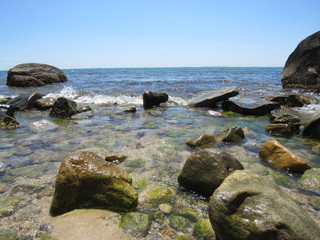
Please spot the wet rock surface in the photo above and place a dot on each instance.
(210, 99)
(277, 155)
(204, 171)
(248, 206)
(256, 110)
(86, 180)
(154, 99)
(63, 108)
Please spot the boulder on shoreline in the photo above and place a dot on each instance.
(204, 141)
(85, 180)
(281, 157)
(249, 206)
(302, 68)
(63, 108)
(256, 110)
(210, 100)
(154, 99)
(34, 75)
(204, 171)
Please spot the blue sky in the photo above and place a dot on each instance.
(150, 33)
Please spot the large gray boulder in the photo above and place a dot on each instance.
(34, 75)
(85, 180)
(204, 171)
(302, 69)
(248, 206)
(210, 99)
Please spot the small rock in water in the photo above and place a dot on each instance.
(204, 141)
(233, 134)
(165, 208)
(63, 108)
(281, 157)
(282, 129)
(311, 180)
(136, 224)
(2, 168)
(130, 110)
(154, 99)
(117, 159)
(42, 126)
(44, 103)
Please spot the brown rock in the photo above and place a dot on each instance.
(204, 141)
(281, 157)
(281, 129)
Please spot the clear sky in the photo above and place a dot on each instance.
(153, 33)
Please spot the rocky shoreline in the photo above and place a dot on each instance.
(238, 196)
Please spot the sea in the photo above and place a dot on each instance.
(153, 140)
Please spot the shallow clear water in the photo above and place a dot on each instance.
(153, 140)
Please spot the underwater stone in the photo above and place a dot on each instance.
(249, 206)
(203, 230)
(204, 171)
(42, 126)
(158, 195)
(8, 122)
(311, 180)
(179, 223)
(281, 129)
(136, 224)
(85, 180)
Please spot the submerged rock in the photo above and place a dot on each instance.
(24, 102)
(302, 69)
(63, 108)
(256, 110)
(154, 99)
(204, 141)
(42, 126)
(115, 158)
(179, 223)
(311, 180)
(281, 157)
(34, 75)
(249, 206)
(210, 100)
(86, 180)
(203, 230)
(204, 171)
(136, 224)
(158, 195)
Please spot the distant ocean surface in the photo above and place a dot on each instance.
(126, 85)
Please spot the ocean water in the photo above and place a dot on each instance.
(153, 140)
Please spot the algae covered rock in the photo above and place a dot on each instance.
(204, 141)
(311, 179)
(136, 224)
(154, 99)
(203, 230)
(158, 195)
(204, 171)
(45, 103)
(179, 223)
(233, 134)
(281, 157)
(85, 180)
(249, 206)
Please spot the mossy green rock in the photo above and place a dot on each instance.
(136, 224)
(8, 234)
(249, 206)
(179, 223)
(188, 213)
(203, 230)
(311, 179)
(158, 195)
(8, 122)
(204, 171)
(85, 180)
